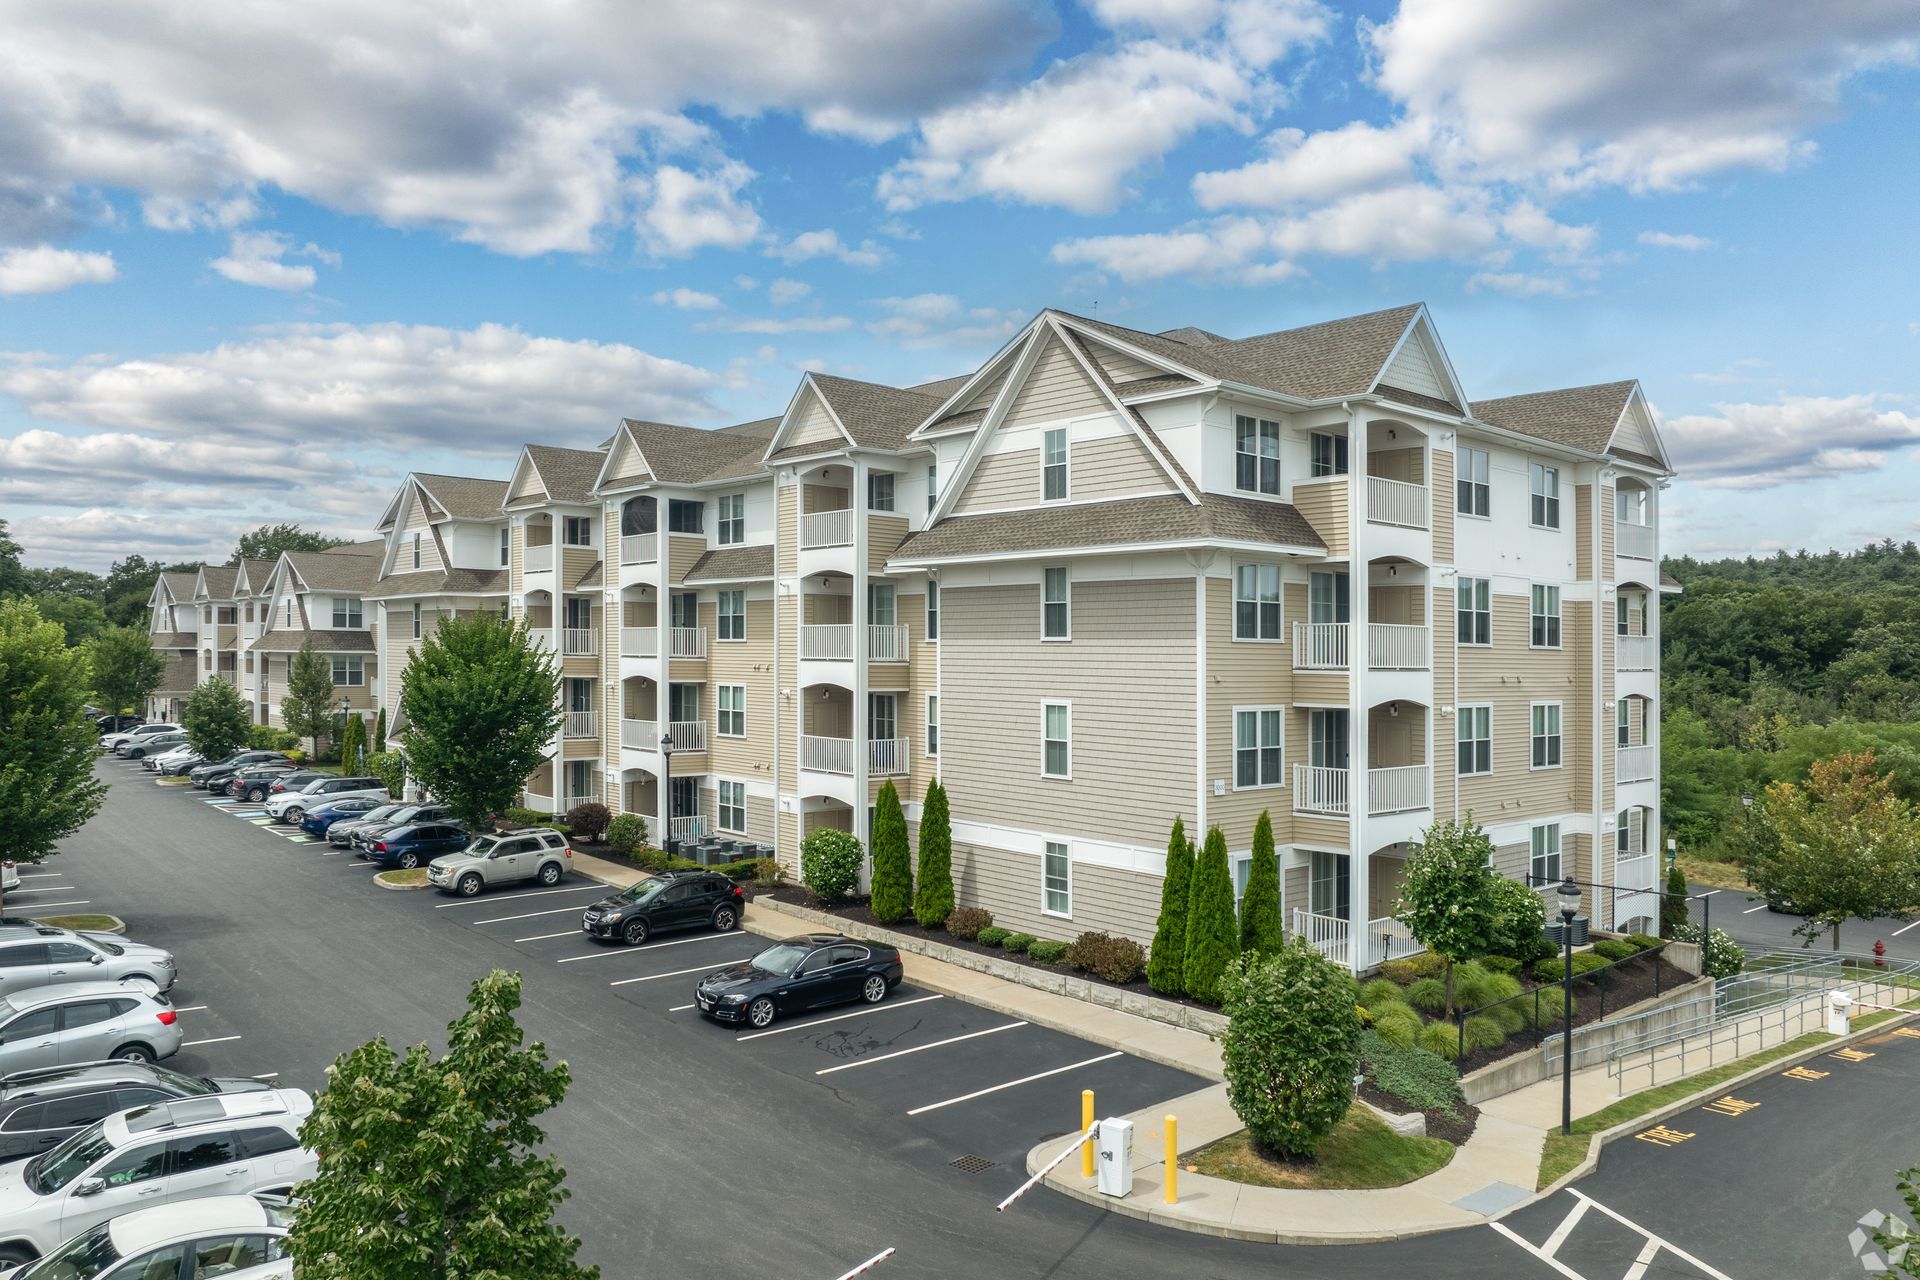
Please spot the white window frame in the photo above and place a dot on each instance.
(1543, 486)
(1538, 839)
(349, 670)
(722, 615)
(1472, 482)
(1483, 713)
(1543, 623)
(1622, 723)
(506, 545)
(933, 724)
(721, 806)
(416, 548)
(737, 713)
(349, 614)
(1338, 460)
(569, 523)
(1049, 850)
(731, 526)
(1260, 747)
(1263, 429)
(1064, 603)
(933, 612)
(1260, 603)
(1549, 730)
(1484, 587)
(1052, 468)
(1066, 742)
(416, 619)
(874, 484)
(933, 485)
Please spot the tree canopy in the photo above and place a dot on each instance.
(126, 669)
(306, 708)
(47, 787)
(215, 719)
(269, 540)
(1447, 895)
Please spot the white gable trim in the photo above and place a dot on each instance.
(781, 432)
(1146, 437)
(963, 471)
(526, 463)
(1011, 350)
(626, 431)
(1636, 395)
(1144, 356)
(1422, 322)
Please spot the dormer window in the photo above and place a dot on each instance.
(1053, 466)
(1256, 460)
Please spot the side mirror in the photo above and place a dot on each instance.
(91, 1187)
(96, 958)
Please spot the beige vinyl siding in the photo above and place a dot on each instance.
(1634, 431)
(1511, 676)
(611, 694)
(1576, 716)
(1413, 370)
(1583, 531)
(787, 528)
(884, 535)
(921, 673)
(1121, 367)
(789, 665)
(1246, 674)
(1118, 466)
(683, 551)
(760, 810)
(580, 748)
(626, 466)
(996, 673)
(1008, 884)
(526, 486)
(746, 662)
(1056, 388)
(823, 497)
(1445, 506)
(814, 425)
(1384, 873)
(983, 395)
(1324, 504)
(1296, 891)
(1405, 465)
(1606, 529)
(574, 563)
(1002, 480)
(418, 522)
(516, 559)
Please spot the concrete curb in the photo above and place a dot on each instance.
(398, 888)
(118, 926)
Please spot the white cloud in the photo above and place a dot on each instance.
(1516, 284)
(795, 324)
(1760, 446)
(784, 291)
(686, 299)
(171, 213)
(45, 269)
(1326, 165)
(692, 211)
(941, 319)
(254, 257)
(826, 243)
(1671, 240)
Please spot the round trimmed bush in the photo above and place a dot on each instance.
(1440, 1039)
(1483, 1032)
(1429, 995)
(1509, 1016)
(965, 923)
(1381, 991)
(1615, 948)
(588, 820)
(992, 936)
(1291, 1047)
(1499, 964)
(1047, 950)
(830, 864)
(626, 833)
(1644, 942)
(1018, 942)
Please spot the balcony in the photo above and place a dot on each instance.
(568, 803)
(1320, 791)
(539, 558)
(639, 548)
(1396, 502)
(826, 529)
(1386, 939)
(887, 758)
(639, 642)
(831, 641)
(691, 827)
(577, 642)
(686, 642)
(1635, 764)
(887, 644)
(1322, 646)
(1634, 871)
(1635, 653)
(640, 735)
(688, 735)
(582, 724)
(1634, 541)
(826, 755)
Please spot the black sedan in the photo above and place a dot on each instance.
(805, 972)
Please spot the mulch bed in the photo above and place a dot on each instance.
(1455, 1126)
(1628, 984)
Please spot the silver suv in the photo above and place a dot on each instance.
(42, 956)
(529, 853)
(85, 1022)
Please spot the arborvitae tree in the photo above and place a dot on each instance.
(1260, 930)
(215, 719)
(1673, 907)
(47, 788)
(892, 861)
(1213, 932)
(1167, 960)
(307, 707)
(353, 746)
(933, 888)
(380, 732)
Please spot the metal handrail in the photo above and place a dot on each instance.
(1557, 986)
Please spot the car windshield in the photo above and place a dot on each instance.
(482, 847)
(782, 959)
(102, 944)
(48, 1173)
(642, 891)
(185, 1085)
(80, 1258)
(384, 811)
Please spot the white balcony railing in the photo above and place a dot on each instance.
(688, 735)
(1319, 646)
(1635, 764)
(887, 757)
(568, 802)
(1396, 502)
(1634, 872)
(539, 558)
(826, 755)
(1399, 789)
(539, 803)
(692, 826)
(583, 724)
(1326, 934)
(640, 735)
(580, 641)
(826, 529)
(1635, 541)
(832, 641)
(1388, 939)
(686, 642)
(639, 642)
(887, 644)
(1635, 653)
(1393, 646)
(639, 548)
(1319, 790)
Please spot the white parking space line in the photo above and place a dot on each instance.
(542, 937)
(48, 888)
(680, 1008)
(537, 893)
(1648, 1252)
(1750, 910)
(919, 1048)
(41, 875)
(838, 1017)
(1903, 928)
(642, 950)
(1042, 1075)
(188, 1044)
(1565, 1229)
(1555, 1263)
(527, 915)
(655, 977)
(188, 1008)
(1668, 1245)
(1709, 893)
(81, 902)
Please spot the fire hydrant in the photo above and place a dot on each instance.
(1879, 954)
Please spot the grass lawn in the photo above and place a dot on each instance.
(1360, 1153)
(407, 878)
(94, 922)
(1712, 873)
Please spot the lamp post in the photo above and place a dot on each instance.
(340, 738)
(671, 845)
(1569, 895)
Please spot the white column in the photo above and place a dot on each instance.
(1601, 573)
(1200, 564)
(1357, 698)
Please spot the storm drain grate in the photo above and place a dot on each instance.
(971, 1164)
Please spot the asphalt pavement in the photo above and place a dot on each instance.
(1757, 929)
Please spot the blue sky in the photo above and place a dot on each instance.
(257, 262)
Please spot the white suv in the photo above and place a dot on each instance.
(291, 806)
(164, 1154)
(113, 740)
(235, 1237)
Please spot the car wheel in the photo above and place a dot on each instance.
(874, 989)
(293, 815)
(16, 1254)
(256, 794)
(760, 1012)
(634, 932)
(725, 918)
(469, 885)
(550, 874)
(133, 1053)
(409, 860)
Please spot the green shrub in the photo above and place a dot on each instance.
(1502, 986)
(1166, 959)
(933, 891)
(1399, 972)
(264, 737)
(1511, 1016)
(1260, 905)
(992, 936)
(1553, 968)
(1673, 905)
(1380, 991)
(682, 864)
(830, 864)
(1723, 959)
(626, 833)
(391, 768)
(1483, 1032)
(1499, 964)
(1429, 965)
(1291, 1046)
(892, 864)
(1046, 950)
(1396, 1024)
(654, 860)
(1472, 986)
(1428, 995)
(1421, 1079)
(1615, 948)
(588, 820)
(1213, 930)
(1018, 942)
(527, 817)
(967, 923)
(1440, 1038)
(1519, 922)
(1116, 959)
(1646, 942)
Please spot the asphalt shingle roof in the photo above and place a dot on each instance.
(732, 564)
(323, 641)
(567, 473)
(1122, 523)
(464, 497)
(690, 455)
(876, 416)
(181, 584)
(1579, 417)
(219, 579)
(181, 676)
(336, 570)
(173, 639)
(451, 582)
(591, 578)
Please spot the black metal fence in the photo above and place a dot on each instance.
(1550, 998)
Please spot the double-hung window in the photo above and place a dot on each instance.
(1473, 730)
(1546, 617)
(733, 806)
(578, 531)
(1053, 465)
(1056, 880)
(732, 519)
(1056, 619)
(1623, 724)
(1474, 611)
(933, 724)
(731, 715)
(1472, 481)
(349, 669)
(933, 610)
(1546, 735)
(1329, 453)
(1256, 454)
(506, 544)
(1256, 602)
(1257, 738)
(1056, 740)
(933, 486)
(346, 613)
(1543, 863)
(416, 550)
(880, 491)
(686, 517)
(731, 614)
(416, 619)
(1546, 496)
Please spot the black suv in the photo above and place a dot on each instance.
(220, 770)
(677, 900)
(39, 1109)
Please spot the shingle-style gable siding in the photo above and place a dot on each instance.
(1414, 369)
(417, 519)
(626, 464)
(1113, 467)
(983, 395)
(526, 485)
(1635, 431)
(1056, 389)
(814, 425)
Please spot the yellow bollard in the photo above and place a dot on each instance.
(1086, 1123)
(1173, 1159)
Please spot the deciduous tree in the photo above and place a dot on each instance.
(1291, 1047)
(215, 719)
(269, 540)
(307, 706)
(1446, 894)
(47, 788)
(80, 617)
(933, 888)
(1166, 961)
(126, 670)
(892, 860)
(1260, 927)
(1213, 932)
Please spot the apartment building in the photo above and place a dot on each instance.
(173, 628)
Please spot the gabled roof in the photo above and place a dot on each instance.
(173, 639)
(568, 475)
(692, 455)
(255, 576)
(180, 585)
(1669, 585)
(464, 497)
(1170, 519)
(1580, 418)
(323, 641)
(371, 547)
(872, 414)
(334, 570)
(216, 582)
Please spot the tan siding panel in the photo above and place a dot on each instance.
(1118, 466)
(1002, 480)
(745, 662)
(884, 535)
(983, 395)
(1512, 676)
(683, 551)
(1103, 898)
(1445, 500)
(1056, 388)
(1583, 531)
(1413, 370)
(787, 528)
(1243, 673)
(814, 426)
(1324, 504)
